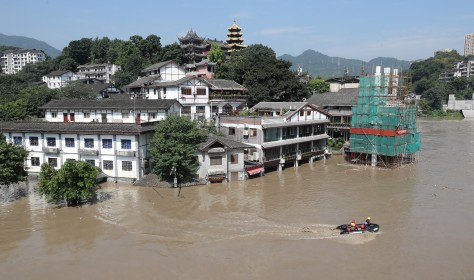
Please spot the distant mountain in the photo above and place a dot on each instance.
(318, 64)
(28, 43)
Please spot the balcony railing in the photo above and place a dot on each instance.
(126, 153)
(47, 150)
(88, 152)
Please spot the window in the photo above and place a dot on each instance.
(89, 143)
(186, 91)
(69, 142)
(17, 140)
(301, 113)
(35, 161)
(126, 144)
(234, 158)
(91, 162)
(186, 110)
(125, 115)
(51, 141)
(107, 143)
(126, 165)
(152, 115)
(54, 115)
(53, 162)
(253, 132)
(200, 109)
(33, 141)
(216, 160)
(231, 130)
(87, 115)
(108, 165)
(201, 91)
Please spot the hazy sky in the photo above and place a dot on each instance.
(358, 29)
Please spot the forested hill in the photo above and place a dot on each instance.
(28, 43)
(321, 65)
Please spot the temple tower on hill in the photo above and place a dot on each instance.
(193, 47)
(234, 38)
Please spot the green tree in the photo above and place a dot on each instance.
(75, 182)
(174, 144)
(170, 52)
(12, 163)
(79, 50)
(317, 85)
(99, 48)
(266, 77)
(68, 64)
(14, 110)
(77, 90)
(216, 54)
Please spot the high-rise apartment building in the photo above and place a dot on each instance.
(469, 44)
(12, 61)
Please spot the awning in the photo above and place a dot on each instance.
(255, 170)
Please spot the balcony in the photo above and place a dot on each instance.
(126, 153)
(47, 150)
(88, 152)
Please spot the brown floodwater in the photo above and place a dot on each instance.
(280, 226)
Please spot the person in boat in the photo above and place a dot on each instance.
(353, 224)
(367, 222)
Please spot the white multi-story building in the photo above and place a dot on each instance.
(114, 135)
(58, 79)
(469, 44)
(200, 97)
(281, 133)
(13, 61)
(102, 72)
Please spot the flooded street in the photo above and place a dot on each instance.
(280, 226)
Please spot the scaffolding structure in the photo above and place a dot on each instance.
(383, 130)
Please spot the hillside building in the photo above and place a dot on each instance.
(202, 98)
(103, 72)
(469, 44)
(12, 61)
(58, 79)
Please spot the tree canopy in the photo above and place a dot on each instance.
(317, 85)
(434, 92)
(174, 144)
(12, 163)
(266, 77)
(74, 182)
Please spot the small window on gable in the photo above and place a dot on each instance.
(231, 130)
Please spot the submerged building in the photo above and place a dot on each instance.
(383, 129)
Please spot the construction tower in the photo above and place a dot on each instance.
(383, 130)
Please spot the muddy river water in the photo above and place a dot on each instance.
(280, 226)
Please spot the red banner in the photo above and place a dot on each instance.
(379, 132)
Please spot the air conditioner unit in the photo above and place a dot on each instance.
(246, 133)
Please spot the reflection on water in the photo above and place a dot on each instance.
(279, 226)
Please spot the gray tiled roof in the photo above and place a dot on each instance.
(143, 81)
(344, 97)
(228, 143)
(110, 104)
(277, 106)
(98, 88)
(157, 65)
(221, 84)
(72, 127)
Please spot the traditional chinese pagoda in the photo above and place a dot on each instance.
(193, 47)
(234, 38)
